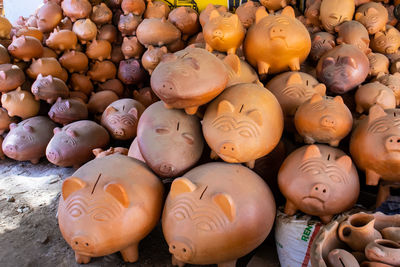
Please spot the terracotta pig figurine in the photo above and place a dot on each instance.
(193, 68)
(273, 5)
(386, 42)
(373, 16)
(108, 32)
(61, 40)
(99, 101)
(157, 32)
(76, 9)
(373, 93)
(165, 135)
(131, 48)
(74, 61)
(104, 209)
(152, 57)
(243, 123)
(5, 28)
(374, 145)
(101, 14)
(354, 33)
(130, 71)
(5, 121)
(312, 13)
(323, 120)
(99, 50)
(68, 110)
(73, 144)
(208, 210)
(378, 64)
(334, 12)
(121, 118)
(318, 180)
(100, 153)
(25, 48)
(20, 103)
(49, 88)
(85, 29)
(49, 16)
(136, 7)
(45, 66)
(102, 71)
(205, 14)
(186, 19)
(30, 31)
(156, 9)
(343, 68)
(81, 83)
(145, 96)
(11, 77)
(4, 56)
(224, 33)
(128, 24)
(322, 42)
(276, 42)
(28, 139)
(393, 82)
(247, 13)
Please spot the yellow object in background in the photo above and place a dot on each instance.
(200, 5)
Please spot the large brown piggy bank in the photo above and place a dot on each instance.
(334, 12)
(157, 32)
(193, 68)
(318, 180)
(224, 33)
(121, 118)
(354, 33)
(243, 124)
(343, 68)
(373, 93)
(68, 110)
(152, 57)
(49, 89)
(170, 141)
(73, 144)
(76, 9)
(386, 42)
(104, 209)
(323, 120)
(11, 77)
(28, 139)
(20, 103)
(373, 16)
(375, 145)
(276, 42)
(214, 216)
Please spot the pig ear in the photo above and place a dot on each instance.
(256, 116)
(375, 112)
(348, 61)
(71, 185)
(13, 126)
(110, 110)
(235, 19)
(214, 14)
(71, 133)
(358, 16)
(316, 98)
(164, 49)
(56, 130)
(372, 11)
(312, 151)
(295, 78)
(288, 11)
(328, 61)
(28, 128)
(168, 57)
(22, 96)
(67, 104)
(3, 75)
(378, 34)
(118, 192)
(188, 138)
(97, 151)
(338, 99)
(380, 98)
(5, 98)
(392, 31)
(133, 111)
(225, 107)
(345, 162)
(226, 204)
(320, 89)
(234, 62)
(317, 37)
(181, 185)
(261, 13)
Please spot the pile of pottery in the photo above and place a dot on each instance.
(176, 86)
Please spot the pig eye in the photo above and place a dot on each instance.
(381, 42)
(381, 129)
(162, 130)
(224, 128)
(245, 133)
(75, 213)
(101, 217)
(113, 121)
(179, 215)
(204, 226)
(335, 178)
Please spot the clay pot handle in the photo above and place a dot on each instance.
(344, 227)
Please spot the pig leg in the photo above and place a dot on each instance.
(262, 67)
(209, 48)
(334, 143)
(227, 264)
(290, 208)
(308, 140)
(131, 253)
(191, 110)
(214, 155)
(372, 177)
(176, 262)
(231, 51)
(294, 64)
(34, 161)
(81, 259)
(250, 164)
(359, 109)
(326, 219)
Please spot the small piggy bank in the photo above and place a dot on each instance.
(11, 77)
(373, 93)
(208, 210)
(193, 68)
(108, 32)
(157, 32)
(99, 50)
(165, 135)
(131, 48)
(156, 9)
(318, 180)
(334, 12)
(101, 14)
(81, 83)
(373, 16)
(128, 24)
(243, 124)
(152, 57)
(45, 66)
(322, 42)
(130, 71)
(343, 68)
(25, 48)
(99, 101)
(247, 13)
(393, 82)
(28, 139)
(73, 144)
(68, 110)
(354, 33)
(49, 89)
(74, 61)
(145, 96)
(20, 103)
(276, 42)
(375, 145)
(49, 16)
(312, 14)
(386, 42)
(378, 64)
(76, 9)
(85, 29)
(205, 14)
(137, 7)
(224, 33)
(323, 120)
(4, 56)
(5, 121)
(112, 85)
(104, 209)
(61, 40)
(186, 19)
(100, 153)
(102, 71)
(273, 5)
(5, 28)
(121, 118)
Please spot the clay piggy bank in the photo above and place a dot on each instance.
(243, 123)
(334, 12)
(374, 146)
(99, 50)
(45, 66)
(393, 82)
(61, 40)
(20, 103)
(11, 77)
(131, 72)
(112, 85)
(121, 118)
(205, 14)
(134, 151)
(135, 7)
(29, 31)
(131, 48)
(101, 14)
(208, 210)
(76, 9)
(145, 96)
(247, 13)
(28, 139)
(378, 63)
(373, 16)
(128, 24)
(68, 110)
(224, 33)
(354, 33)
(386, 42)
(74, 61)
(73, 144)
(5, 28)
(323, 120)
(25, 48)
(49, 16)
(186, 20)
(102, 71)
(165, 135)
(49, 88)
(85, 29)
(100, 153)
(4, 56)
(239, 71)
(343, 68)
(325, 181)
(370, 94)
(273, 5)
(81, 83)
(193, 68)
(312, 14)
(152, 57)
(5, 120)
(102, 197)
(108, 32)
(157, 32)
(156, 9)
(276, 42)
(99, 101)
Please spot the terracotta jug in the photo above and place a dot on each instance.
(358, 231)
(383, 250)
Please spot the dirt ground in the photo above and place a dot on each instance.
(29, 233)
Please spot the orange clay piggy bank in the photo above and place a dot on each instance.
(276, 42)
(243, 124)
(104, 209)
(373, 93)
(373, 16)
(217, 213)
(334, 12)
(20, 103)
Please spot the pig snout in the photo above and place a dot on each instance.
(390, 50)
(320, 191)
(82, 243)
(218, 34)
(228, 149)
(167, 86)
(119, 132)
(53, 156)
(167, 169)
(181, 250)
(328, 121)
(277, 32)
(11, 149)
(35, 90)
(393, 143)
